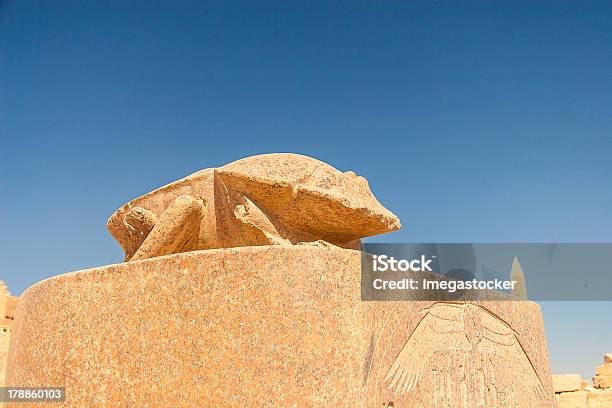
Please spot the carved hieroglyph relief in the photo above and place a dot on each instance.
(459, 355)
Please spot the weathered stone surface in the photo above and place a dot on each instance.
(599, 395)
(8, 304)
(176, 231)
(574, 399)
(311, 196)
(599, 399)
(269, 326)
(602, 381)
(566, 382)
(604, 369)
(608, 358)
(137, 224)
(271, 199)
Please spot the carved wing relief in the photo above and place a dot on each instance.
(472, 359)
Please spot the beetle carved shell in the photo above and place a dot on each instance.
(270, 199)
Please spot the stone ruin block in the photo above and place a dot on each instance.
(573, 399)
(566, 382)
(242, 288)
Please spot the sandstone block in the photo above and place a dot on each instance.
(608, 358)
(269, 326)
(566, 382)
(574, 399)
(602, 381)
(599, 399)
(604, 369)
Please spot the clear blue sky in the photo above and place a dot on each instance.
(473, 121)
